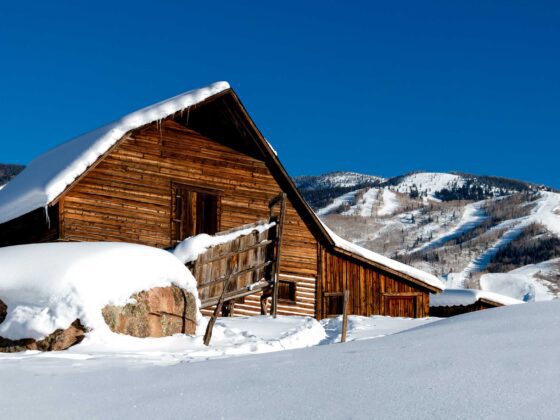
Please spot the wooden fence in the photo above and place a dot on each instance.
(243, 266)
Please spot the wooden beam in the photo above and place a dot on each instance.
(281, 198)
(345, 316)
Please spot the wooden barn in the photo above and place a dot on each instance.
(453, 302)
(197, 163)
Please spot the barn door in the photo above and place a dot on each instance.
(400, 306)
(194, 212)
(333, 304)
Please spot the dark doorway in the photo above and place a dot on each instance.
(195, 211)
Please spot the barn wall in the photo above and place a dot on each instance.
(372, 292)
(127, 197)
(447, 311)
(33, 227)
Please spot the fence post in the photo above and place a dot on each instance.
(279, 234)
(217, 310)
(344, 316)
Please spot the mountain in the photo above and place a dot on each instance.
(474, 231)
(7, 172)
(322, 189)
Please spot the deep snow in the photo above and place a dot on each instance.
(189, 249)
(528, 283)
(49, 286)
(498, 363)
(464, 297)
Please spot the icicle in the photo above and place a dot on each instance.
(188, 113)
(47, 216)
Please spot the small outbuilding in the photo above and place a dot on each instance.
(453, 302)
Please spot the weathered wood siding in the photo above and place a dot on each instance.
(447, 311)
(33, 227)
(372, 292)
(128, 197)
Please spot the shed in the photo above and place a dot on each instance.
(192, 164)
(453, 302)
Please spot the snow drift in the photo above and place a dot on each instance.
(465, 297)
(189, 249)
(48, 286)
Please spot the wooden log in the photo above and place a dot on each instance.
(345, 316)
(210, 326)
(279, 232)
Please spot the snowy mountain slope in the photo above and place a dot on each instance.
(7, 172)
(418, 219)
(426, 184)
(335, 179)
(499, 363)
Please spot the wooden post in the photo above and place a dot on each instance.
(217, 310)
(344, 316)
(276, 267)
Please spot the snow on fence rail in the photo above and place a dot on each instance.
(237, 263)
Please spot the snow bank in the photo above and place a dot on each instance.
(494, 364)
(387, 262)
(528, 283)
(230, 337)
(464, 297)
(48, 286)
(189, 249)
(364, 328)
(47, 176)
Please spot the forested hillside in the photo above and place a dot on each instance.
(457, 226)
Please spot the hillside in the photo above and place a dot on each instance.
(457, 226)
(7, 172)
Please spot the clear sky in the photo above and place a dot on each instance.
(375, 87)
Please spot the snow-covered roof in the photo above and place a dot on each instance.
(46, 177)
(464, 297)
(413, 272)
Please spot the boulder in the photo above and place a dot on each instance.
(158, 312)
(58, 340)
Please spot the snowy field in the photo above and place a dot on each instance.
(499, 363)
(231, 337)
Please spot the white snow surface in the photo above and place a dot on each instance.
(464, 297)
(231, 337)
(189, 249)
(390, 203)
(348, 199)
(47, 176)
(413, 272)
(473, 215)
(429, 182)
(365, 328)
(525, 283)
(498, 363)
(49, 286)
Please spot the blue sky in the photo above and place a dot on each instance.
(375, 87)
